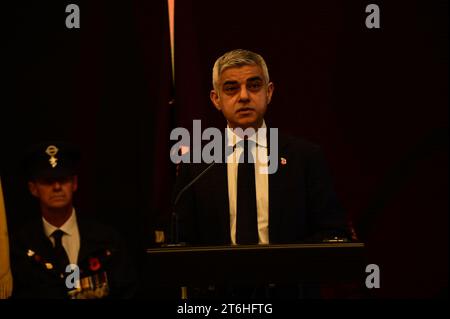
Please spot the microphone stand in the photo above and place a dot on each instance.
(174, 231)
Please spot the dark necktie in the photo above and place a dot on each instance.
(247, 219)
(61, 258)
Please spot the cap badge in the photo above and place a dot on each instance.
(52, 150)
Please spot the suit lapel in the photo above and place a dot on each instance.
(222, 191)
(88, 242)
(33, 238)
(215, 189)
(218, 179)
(39, 243)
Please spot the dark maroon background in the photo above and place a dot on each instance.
(376, 100)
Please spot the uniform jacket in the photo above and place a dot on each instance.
(33, 280)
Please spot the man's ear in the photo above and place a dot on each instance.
(75, 183)
(33, 189)
(270, 89)
(215, 99)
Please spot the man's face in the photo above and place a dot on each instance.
(54, 193)
(243, 96)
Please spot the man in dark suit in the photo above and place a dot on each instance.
(235, 201)
(293, 204)
(61, 254)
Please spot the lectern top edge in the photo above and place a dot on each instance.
(256, 247)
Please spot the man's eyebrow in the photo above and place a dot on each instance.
(255, 78)
(230, 82)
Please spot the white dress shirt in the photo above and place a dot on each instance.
(71, 238)
(261, 181)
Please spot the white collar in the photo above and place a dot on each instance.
(260, 138)
(69, 227)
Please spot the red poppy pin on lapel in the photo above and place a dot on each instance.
(94, 264)
(283, 161)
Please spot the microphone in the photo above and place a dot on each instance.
(174, 238)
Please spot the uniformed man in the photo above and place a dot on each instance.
(61, 254)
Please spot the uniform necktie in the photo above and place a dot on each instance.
(61, 258)
(247, 218)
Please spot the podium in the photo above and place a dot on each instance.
(255, 264)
